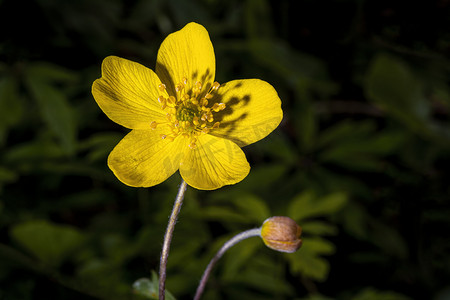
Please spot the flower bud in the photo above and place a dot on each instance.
(281, 234)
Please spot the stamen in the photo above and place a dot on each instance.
(192, 144)
(188, 114)
(195, 121)
(215, 86)
(218, 107)
(171, 101)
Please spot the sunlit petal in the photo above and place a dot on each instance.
(253, 110)
(127, 93)
(215, 162)
(187, 53)
(143, 159)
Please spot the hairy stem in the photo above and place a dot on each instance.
(233, 241)
(168, 238)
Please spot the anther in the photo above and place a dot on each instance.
(218, 107)
(171, 101)
(195, 121)
(192, 145)
(215, 85)
(162, 87)
(153, 125)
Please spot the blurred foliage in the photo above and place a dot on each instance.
(360, 160)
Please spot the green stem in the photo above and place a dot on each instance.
(230, 243)
(168, 238)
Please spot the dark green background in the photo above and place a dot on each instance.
(361, 159)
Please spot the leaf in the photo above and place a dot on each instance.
(149, 288)
(354, 219)
(217, 213)
(251, 206)
(391, 85)
(373, 294)
(56, 112)
(48, 72)
(11, 106)
(308, 261)
(51, 243)
(319, 228)
(6, 175)
(238, 256)
(389, 240)
(99, 145)
(37, 150)
(307, 205)
(257, 10)
(357, 145)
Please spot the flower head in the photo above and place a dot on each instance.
(181, 119)
(281, 234)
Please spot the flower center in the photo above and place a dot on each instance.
(185, 113)
(188, 113)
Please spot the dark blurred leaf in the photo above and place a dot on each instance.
(188, 11)
(308, 262)
(51, 243)
(251, 206)
(100, 145)
(6, 175)
(318, 228)
(255, 11)
(149, 288)
(11, 106)
(373, 294)
(389, 240)
(358, 145)
(56, 112)
(392, 85)
(355, 220)
(38, 150)
(308, 205)
(238, 257)
(293, 66)
(50, 73)
(224, 214)
(262, 278)
(262, 177)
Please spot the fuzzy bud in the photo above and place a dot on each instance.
(281, 234)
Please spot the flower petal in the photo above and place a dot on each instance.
(215, 162)
(127, 93)
(253, 110)
(187, 53)
(143, 159)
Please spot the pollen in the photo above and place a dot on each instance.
(190, 112)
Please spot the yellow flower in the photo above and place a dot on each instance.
(181, 119)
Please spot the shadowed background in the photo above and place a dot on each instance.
(360, 160)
